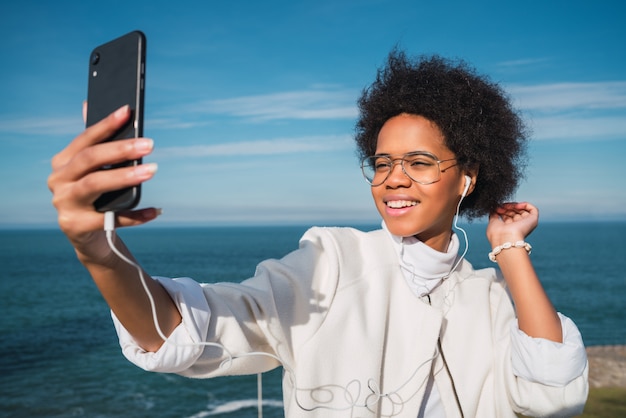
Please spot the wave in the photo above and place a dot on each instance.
(234, 406)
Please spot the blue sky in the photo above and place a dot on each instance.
(252, 104)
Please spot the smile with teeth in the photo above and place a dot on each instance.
(397, 204)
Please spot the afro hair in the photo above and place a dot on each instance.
(474, 114)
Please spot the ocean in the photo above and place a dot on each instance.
(59, 355)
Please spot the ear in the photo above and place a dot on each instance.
(470, 177)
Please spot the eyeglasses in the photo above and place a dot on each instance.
(420, 166)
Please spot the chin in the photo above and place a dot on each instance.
(400, 230)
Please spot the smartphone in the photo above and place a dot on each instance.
(117, 71)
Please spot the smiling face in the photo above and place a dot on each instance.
(409, 208)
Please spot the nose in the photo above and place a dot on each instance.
(397, 176)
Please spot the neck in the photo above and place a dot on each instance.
(437, 242)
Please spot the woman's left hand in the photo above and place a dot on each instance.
(512, 222)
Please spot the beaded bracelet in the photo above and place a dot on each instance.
(518, 244)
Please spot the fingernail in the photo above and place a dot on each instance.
(159, 211)
(144, 144)
(145, 170)
(121, 112)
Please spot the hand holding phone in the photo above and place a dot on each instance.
(117, 78)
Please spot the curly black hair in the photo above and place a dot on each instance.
(474, 114)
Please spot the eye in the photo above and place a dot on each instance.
(381, 164)
(419, 162)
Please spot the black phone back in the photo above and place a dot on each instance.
(116, 78)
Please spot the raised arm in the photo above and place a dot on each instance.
(76, 182)
(513, 222)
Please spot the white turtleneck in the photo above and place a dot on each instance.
(424, 268)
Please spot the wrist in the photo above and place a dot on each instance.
(509, 245)
(95, 252)
(496, 239)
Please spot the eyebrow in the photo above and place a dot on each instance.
(384, 154)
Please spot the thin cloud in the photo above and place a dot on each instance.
(524, 62)
(170, 123)
(576, 127)
(320, 103)
(562, 96)
(42, 126)
(581, 111)
(301, 104)
(261, 147)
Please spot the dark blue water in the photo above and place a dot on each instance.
(59, 355)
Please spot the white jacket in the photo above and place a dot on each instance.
(354, 340)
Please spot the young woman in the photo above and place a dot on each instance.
(392, 322)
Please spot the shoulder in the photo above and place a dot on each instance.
(466, 271)
(486, 278)
(345, 239)
(351, 247)
(342, 234)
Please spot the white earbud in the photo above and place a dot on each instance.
(468, 183)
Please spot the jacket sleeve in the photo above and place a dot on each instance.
(181, 349)
(248, 327)
(547, 362)
(534, 385)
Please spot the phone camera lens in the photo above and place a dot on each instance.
(95, 58)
